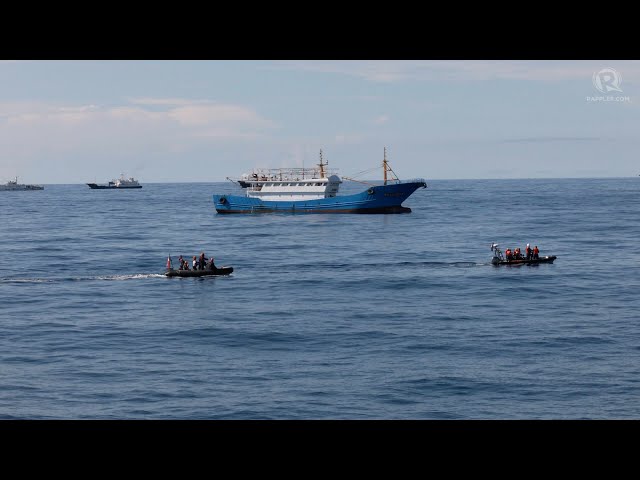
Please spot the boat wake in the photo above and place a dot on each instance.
(28, 280)
(298, 267)
(137, 276)
(461, 264)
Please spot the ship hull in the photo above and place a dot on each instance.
(200, 273)
(533, 261)
(21, 188)
(378, 199)
(95, 186)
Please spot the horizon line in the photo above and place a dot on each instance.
(378, 180)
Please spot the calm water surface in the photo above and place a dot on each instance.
(325, 316)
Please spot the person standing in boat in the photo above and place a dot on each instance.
(195, 262)
(507, 254)
(527, 250)
(535, 252)
(203, 261)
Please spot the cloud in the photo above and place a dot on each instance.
(548, 139)
(381, 120)
(86, 141)
(165, 101)
(64, 126)
(349, 138)
(393, 71)
(233, 117)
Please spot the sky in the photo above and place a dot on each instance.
(64, 122)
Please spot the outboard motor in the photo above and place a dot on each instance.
(497, 254)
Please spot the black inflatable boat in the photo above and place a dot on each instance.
(524, 261)
(199, 273)
(499, 258)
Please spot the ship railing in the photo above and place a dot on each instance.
(410, 180)
(413, 180)
(290, 174)
(396, 181)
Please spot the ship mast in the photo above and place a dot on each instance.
(387, 168)
(384, 165)
(321, 165)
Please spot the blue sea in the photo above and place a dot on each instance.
(325, 316)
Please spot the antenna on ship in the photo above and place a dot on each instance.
(321, 165)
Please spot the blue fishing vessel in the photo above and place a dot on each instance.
(312, 191)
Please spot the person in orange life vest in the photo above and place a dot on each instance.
(535, 252)
(517, 253)
(528, 252)
(507, 254)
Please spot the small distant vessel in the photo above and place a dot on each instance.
(315, 190)
(498, 258)
(224, 270)
(121, 182)
(14, 185)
